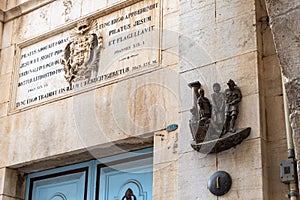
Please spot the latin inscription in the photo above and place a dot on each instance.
(130, 44)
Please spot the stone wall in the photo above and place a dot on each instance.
(231, 40)
(207, 41)
(284, 21)
(124, 115)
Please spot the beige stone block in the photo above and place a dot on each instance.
(170, 41)
(7, 60)
(7, 34)
(4, 142)
(242, 69)
(170, 57)
(5, 81)
(195, 15)
(63, 11)
(236, 36)
(42, 132)
(3, 109)
(11, 3)
(2, 5)
(268, 43)
(1, 30)
(275, 118)
(31, 24)
(249, 116)
(89, 6)
(170, 31)
(21, 1)
(2, 179)
(230, 9)
(4, 197)
(113, 2)
(170, 7)
(184, 134)
(272, 76)
(165, 147)
(165, 181)
(14, 184)
(193, 174)
(197, 49)
(261, 10)
(141, 105)
(244, 164)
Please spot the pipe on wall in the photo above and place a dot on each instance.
(293, 186)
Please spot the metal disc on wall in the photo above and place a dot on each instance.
(219, 183)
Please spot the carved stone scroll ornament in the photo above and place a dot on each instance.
(82, 53)
(213, 125)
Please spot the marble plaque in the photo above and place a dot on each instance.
(121, 44)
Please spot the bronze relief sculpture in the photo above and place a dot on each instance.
(213, 122)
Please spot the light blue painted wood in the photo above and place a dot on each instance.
(136, 175)
(115, 179)
(53, 185)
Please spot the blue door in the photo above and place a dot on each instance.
(67, 183)
(130, 179)
(123, 177)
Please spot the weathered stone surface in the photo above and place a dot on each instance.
(277, 152)
(7, 61)
(193, 174)
(285, 29)
(275, 117)
(25, 26)
(281, 7)
(4, 197)
(62, 11)
(2, 179)
(245, 157)
(212, 44)
(170, 7)
(295, 119)
(195, 15)
(293, 94)
(272, 82)
(3, 109)
(89, 6)
(130, 108)
(7, 34)
(12, 3)
(229, 9)
(2, 5)
(165, 147)
(4, 87)
(284, 17)
(268, 43)
(14, 184)
(4, 142)
(165, 181)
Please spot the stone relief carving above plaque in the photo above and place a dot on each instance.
(82, 53)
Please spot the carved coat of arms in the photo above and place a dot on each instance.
(82, 53)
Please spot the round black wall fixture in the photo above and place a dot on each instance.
(219, 183)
